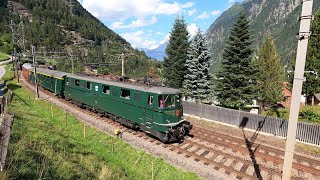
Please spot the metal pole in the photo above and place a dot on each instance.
(16, 71)
(122, 62)
(35, 70)
(72, 65)
(14, 62)
(304, 34)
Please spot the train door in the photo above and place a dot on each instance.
(149, 112)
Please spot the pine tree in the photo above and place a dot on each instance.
(236, 79)
(198, 78)
(270, 73)
(174, 63)
(312, 84)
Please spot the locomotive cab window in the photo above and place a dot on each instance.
(89, 85)
(166, 101)
(106, 89)
(125, 93)
(77, 82)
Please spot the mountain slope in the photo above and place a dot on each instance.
(51, 25)
(276, 17)
(159, 53)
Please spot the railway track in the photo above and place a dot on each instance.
(229, 155)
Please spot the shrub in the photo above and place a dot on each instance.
(310, 114)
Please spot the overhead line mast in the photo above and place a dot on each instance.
(304, 34)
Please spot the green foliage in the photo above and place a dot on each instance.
(236, 80)
(197, 82)
(3, 57)
(103, 70)
(177, 49)
(312, 84)
(310, 114)
(43, 146)
(270, 73)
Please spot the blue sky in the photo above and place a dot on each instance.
(147, 23)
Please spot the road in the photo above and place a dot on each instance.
(2, 71)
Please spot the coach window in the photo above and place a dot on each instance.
(77, 82)
(150, 100)
(125, 93)
(106, 89)
(89, 85)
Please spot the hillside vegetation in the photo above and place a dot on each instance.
(51, 26)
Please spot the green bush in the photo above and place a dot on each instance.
(310, 114)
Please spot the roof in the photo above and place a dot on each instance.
(52, 73)
(150, 89)
(285, 90)
(27, 65)
(317, 96)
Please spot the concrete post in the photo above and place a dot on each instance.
(35, 71)
(304, 34)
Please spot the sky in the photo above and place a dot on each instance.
(147, 23)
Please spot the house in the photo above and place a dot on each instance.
(317, 99)
(287, 95)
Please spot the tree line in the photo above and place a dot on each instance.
(244, 75)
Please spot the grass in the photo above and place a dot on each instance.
(46, 147)
(4, 57)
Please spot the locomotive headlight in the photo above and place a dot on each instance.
(177, 112)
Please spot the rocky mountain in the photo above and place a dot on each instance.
(158, 53)
(277, 17)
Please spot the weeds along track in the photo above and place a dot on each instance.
(232, 156)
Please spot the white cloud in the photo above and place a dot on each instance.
(187, 5)
(231, 1)
(192, 12)
(192, 29)
(139, 40)
(140, 9)
(159, 33)
(134, 24)
(215, 12)
(204, 15)
(165, 39)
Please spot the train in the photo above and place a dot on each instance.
(157, 111)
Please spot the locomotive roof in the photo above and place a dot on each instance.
(151, 89)
(52, 73)
(27, 65)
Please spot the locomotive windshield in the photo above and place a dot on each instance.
(165, 101)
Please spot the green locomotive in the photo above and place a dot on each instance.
(155, 110)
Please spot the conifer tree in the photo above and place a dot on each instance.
(270, 73)
(312, 84)
(174, 63)
(198, 78)
(236, 79)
